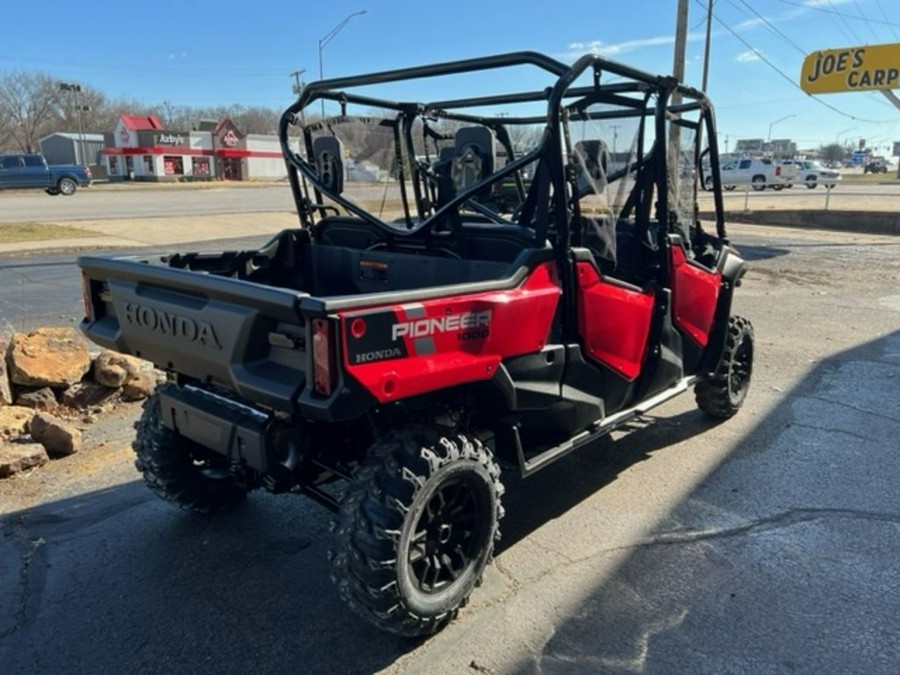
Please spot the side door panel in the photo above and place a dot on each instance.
(695, 292)
(613, 320)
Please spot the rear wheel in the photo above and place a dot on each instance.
(53, 192)
(416, 529)
(66, 186)
(758, 183)
(811, 182)
(722, 394)
(181, 471)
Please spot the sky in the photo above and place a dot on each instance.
(203, 53)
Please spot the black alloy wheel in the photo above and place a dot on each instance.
(722, 394)
(416, 529)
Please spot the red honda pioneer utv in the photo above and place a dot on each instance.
(503, 276)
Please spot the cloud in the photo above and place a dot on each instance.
(748, 56)
(616, 48)
(820, 3)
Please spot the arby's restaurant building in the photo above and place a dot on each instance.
(141, 149)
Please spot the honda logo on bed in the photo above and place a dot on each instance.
(169, 323)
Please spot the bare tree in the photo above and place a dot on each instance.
(29, 104)
(32, 105)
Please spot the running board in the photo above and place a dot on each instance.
(596, 429)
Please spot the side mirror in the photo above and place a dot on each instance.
(329, 153)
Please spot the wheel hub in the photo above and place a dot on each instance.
(448, 536)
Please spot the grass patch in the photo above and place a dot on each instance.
(11, 233)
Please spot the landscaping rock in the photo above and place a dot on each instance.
(48, 357)
(87, 395)
(112, 369)
(5, 391)
(18, 457)
(140, 387)
(14, 421)
(57, 437)
(38, 399)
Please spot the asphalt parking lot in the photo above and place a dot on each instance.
(765, 544)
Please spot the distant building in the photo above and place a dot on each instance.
(67, 148)
(141, 149)
(760, 147)
(750, 146)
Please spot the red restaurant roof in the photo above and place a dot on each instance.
(142, 122)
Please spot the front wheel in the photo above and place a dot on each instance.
(416, 529)
(53, 192)
(66, 186)
(811, 182)
(181, 471)
(722, 394)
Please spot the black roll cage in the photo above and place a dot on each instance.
(549, 152)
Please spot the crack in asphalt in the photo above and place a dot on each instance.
(766, 524)
(834, 430)
(844, 404)
(26, 579)
(777, 521)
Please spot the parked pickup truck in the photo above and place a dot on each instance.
(388, 353)
(32, 171)
(758, 173)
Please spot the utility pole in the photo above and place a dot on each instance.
(680, 40)
(709, 18)
(298, 83)
(678, 72)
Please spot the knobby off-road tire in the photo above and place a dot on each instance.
(181, 471)
(416, 529)
(722, 395)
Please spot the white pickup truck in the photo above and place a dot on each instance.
(758, 173)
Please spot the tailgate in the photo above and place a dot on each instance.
(244, 336)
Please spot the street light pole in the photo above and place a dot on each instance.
(328, 37)
(772, 124)
(837, 138)
(76, 88)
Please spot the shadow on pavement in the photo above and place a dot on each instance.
(117, 581)
(782, 560)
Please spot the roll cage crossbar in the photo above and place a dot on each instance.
(630, 96)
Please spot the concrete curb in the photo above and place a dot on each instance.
(871, 222)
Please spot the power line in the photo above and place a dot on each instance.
(846, 23)
(788, 40)
(881, 9)
(774, 29)
(771, 65)
(868, 23)
(818, 8)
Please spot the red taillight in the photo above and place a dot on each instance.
(777, 170)
(324, 364)
(88, 171)
(86, 296)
